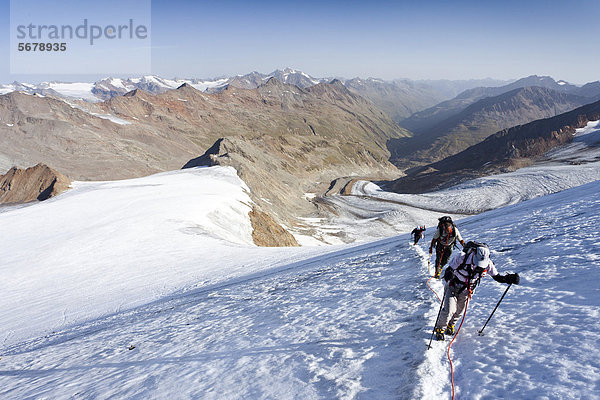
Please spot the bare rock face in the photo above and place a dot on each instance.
(268, 233)
(36, 183)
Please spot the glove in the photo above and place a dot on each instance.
(448, 274)
(513, 279)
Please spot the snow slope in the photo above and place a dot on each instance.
(351, 324)
(108, 246)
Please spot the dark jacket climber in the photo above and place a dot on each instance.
(460, 279)
(444, 239)
(418, 233)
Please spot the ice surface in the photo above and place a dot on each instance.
(78, 90)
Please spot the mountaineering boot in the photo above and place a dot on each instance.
(439, 334)
(450, 330)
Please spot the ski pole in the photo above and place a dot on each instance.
(436, 320)
(488, 320)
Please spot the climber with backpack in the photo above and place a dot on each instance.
(418, 233)
(444, 239)
(460, 279)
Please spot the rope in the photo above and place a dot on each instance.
(430, 288)
(457, 331)
(452, 341)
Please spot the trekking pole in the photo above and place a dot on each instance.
(436, 320)
(488, 320)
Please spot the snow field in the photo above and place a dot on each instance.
(338, 326)
(103, 247)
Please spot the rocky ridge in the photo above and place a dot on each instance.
(35, 183)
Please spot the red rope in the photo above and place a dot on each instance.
(461, 322)
(434, 292)
(452, 341)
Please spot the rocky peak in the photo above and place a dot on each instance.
(273, 82)
(35, 183)
(185, 86)
(133, 93)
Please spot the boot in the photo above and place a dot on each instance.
(450, 330)
(439, 334)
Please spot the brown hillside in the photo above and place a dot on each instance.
(36, 183)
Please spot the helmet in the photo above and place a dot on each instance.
(445, 218)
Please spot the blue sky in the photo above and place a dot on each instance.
(403, 39)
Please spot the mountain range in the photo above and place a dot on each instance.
(398, 98)
(426, 119)
(504, 151)
(283, 140)
(288, 141)
(478, 120)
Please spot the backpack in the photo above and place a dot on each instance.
(470, 247)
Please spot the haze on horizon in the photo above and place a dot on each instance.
(390, 40)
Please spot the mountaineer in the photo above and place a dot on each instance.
(460, 279)
(444, 239)
(418, 233)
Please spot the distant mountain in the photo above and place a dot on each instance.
(481, 119)
(284, 140)
(110, 87)
(591, 90)
(249, 81)
(288, 76)
(425, 120)
(449, 89)
(294, 77)
(504, 151)
(399, 99)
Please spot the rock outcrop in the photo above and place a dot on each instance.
(36, 183)
(268, 233)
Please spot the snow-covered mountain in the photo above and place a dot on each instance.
(150, 288)
(110, 87)
(107, 88)
(295, 77)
